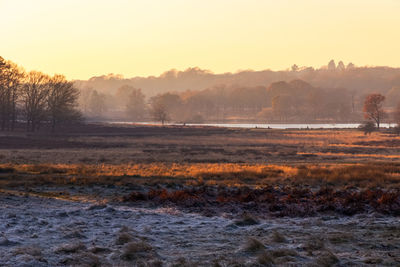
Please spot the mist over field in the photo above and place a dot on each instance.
(330, 94)
(357, 78)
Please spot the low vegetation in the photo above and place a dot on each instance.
(270, 189)
(269, 197)
(371, 175)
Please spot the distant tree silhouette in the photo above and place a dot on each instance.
(396, 118)
(10, 82)
(282, 106)
(122, 95)
(331, 65)
(97, 104)
(373, 109)
(341, 66)
(62, 101)
(171, 103)
(350, 66)
(35, 91)
(393, 96)
(84, 99)
(136, 106)
(315, 103)
(159, 112)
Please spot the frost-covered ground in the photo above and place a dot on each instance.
(40, 231)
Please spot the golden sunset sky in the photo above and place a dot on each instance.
(85, 38)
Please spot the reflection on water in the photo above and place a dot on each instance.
(265, 125)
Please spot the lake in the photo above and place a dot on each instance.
(266, 125)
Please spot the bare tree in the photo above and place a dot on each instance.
(62, 101)
(84, 99)
(136, 107)
(34, 94)
(373, 109)
(282, 106)
(122, 94)
(97, 104)
(159, 111)
(10, 77)
(166, 106)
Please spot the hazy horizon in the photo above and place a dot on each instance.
(208, 71)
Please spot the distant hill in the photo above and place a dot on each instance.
(360, 79)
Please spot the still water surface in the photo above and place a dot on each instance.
(266, 125)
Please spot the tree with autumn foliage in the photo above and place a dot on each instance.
(373, 108)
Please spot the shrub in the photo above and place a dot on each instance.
(314, 244)
(253, 245)
(367, 127)
(71, 248)
(247, 219)
(123, 238)
(265, 259)
(278, 237)
(30, 250)
(283, 252)
(134, 250)
(327, 258)
(83, 259)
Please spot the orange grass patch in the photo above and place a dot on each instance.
(195, 170)
(231, 174)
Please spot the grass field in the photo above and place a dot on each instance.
(132, 145)
(154, 196)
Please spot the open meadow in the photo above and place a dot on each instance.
(129, 195)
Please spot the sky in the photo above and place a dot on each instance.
(85, 38)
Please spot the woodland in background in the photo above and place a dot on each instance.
(331, 94)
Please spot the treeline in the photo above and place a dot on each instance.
(334, 93)
(219, 103)
(360, 79)
(295, 101)
(298, 101)
(38, 100)
(35, 99)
